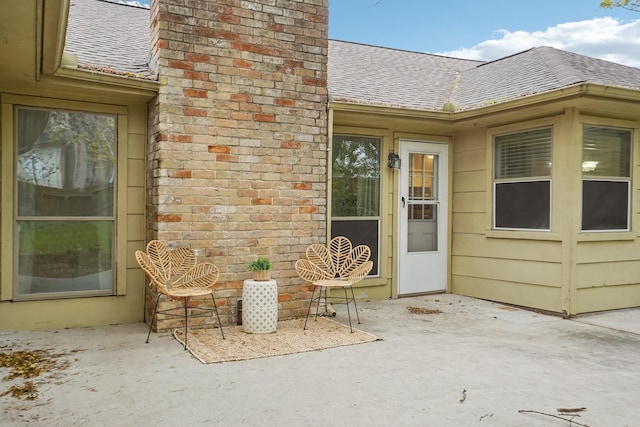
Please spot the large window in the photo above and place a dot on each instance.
(65, 189)
(522, 180)
(606, 178)
(355, 191)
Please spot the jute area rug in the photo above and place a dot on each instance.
(208, 346)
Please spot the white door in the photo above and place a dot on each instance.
(422, 245)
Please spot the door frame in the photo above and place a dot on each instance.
(441, 148)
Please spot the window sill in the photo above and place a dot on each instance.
(371, 281)
(604, 236)
(524, 235)
(584, 236)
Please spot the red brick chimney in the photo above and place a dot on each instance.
(238, 137)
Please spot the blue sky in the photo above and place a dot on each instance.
(488, 29)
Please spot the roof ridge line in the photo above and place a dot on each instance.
(130, 3)
(572, 75)
(404, 50)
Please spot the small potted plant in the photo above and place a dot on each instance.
(261, 269)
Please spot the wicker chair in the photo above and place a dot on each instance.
(338, 265)
(177, 275)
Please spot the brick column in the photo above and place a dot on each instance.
(238, 137)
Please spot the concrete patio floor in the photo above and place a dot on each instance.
(475, 363)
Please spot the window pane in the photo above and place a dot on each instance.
(64, 256)
(605, 205)
(523, 155)
(360, 232)
(65, 164)
(525, 205)
(65, 168)
(606, 152)
(420, 212)
(422, 176)
(422, 230)
(519, 202)
(355, 189)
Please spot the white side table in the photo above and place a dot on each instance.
(259, 306)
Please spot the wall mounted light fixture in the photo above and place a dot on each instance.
(394, 161)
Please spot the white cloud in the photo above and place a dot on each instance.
(604, 38)
(139, 3)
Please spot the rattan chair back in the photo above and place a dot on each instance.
(337, 265)
(338, 260)
(170, 270)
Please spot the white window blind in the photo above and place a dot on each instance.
(606, 152)
(523, 154)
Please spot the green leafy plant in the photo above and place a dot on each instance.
(633, 5)
(262, 263)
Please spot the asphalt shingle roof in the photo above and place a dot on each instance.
(537, 70)
(105, 34)
(109, 35)
(395, 78)
(390, 77)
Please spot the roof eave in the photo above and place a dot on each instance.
(615, 92)
(356, 107)
(553, 96)
(123, 84)
(55, 15)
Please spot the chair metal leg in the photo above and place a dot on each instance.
(155, 310)
(355, 304)
(186, 318)
(319, 298)
(346, 298)
(313, 292)
(186, 321)
(215, 307)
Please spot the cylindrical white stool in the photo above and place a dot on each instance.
(260, 306)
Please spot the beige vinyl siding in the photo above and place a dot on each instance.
(468, 223)
(607, 275)
(606, 298)
(607, 251)
(468, 189)
(547, 274)
(470, 202)
(539, 297)
(135, 207)
(469, 181)
(544, 251)
(525, 272)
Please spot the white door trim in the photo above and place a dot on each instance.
(423, 271)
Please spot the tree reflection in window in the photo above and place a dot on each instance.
(65, 188)
(355, 190)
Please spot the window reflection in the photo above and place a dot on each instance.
(65, 181)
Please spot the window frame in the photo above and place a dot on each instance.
(495, 182)
(376, 253)
(584, 178)
(9, 246)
